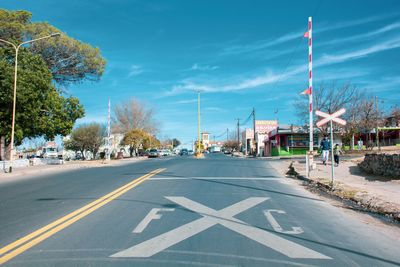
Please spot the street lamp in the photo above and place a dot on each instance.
(16, 47)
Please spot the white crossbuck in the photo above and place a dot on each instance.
(224, 217)
(327, 117)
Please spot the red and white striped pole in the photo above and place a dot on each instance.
(310, 88)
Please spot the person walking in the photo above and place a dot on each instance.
(325, 147)
(336, 153)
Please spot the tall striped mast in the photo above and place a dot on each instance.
(310, 88)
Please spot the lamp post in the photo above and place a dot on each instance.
(16, 48)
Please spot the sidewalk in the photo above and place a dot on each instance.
(31, 171)
(379, 194)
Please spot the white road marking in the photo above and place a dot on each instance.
(152, 215)
(277, 227)
(223, 217)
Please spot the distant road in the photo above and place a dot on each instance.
(217, 211)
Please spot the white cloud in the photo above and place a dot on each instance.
(383, 84)
(239, 49)
(359, 37)
(186, 101)
(196, 66)
(135, 70)
(328, 59)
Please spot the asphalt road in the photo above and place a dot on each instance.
(217, 211)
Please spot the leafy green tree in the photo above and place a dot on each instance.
(40, 109)
(68, 60)
(86, 137)
(135, 139)
(151, 142)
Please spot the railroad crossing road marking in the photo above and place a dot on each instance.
(277, 227)
(152, 215)
(224, 217)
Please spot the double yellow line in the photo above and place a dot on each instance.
(19, 246)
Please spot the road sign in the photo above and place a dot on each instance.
(328, 117)
(334, 117)
(224, 217)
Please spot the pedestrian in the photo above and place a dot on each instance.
(360, 144)
(325, 147)
(336, 153)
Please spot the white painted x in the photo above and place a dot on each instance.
(223, 217)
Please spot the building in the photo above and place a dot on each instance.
(254, 143)
(248, 142)
(205, 140)
(288, 140)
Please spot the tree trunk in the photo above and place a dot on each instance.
(2, 148)
(352, 142)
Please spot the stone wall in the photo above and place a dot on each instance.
(382, 164)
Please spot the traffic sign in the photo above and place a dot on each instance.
(328, 117)
(334, 117)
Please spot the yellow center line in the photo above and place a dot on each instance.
(58, 225)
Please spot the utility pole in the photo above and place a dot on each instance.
(377, 123)
(254, 134)
(109, 131)
(238, 132)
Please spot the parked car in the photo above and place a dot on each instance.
(184, 152)
(191, 152)
(153, 153)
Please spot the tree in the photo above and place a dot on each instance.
(231, 145)
(68, 60)
(86, 137)
(369, 118)
(131, 115)
(40, 109)
(175, 143)
(135, 139)
(330, 98)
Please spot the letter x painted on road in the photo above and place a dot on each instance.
(224, 217)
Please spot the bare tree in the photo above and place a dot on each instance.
(369, 118)
(330, 98)
(133, 114)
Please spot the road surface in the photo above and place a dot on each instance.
(180, 211)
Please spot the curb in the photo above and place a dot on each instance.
(355, 202)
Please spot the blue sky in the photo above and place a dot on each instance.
(242, 54)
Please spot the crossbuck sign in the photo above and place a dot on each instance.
(334, 117)
(328, 117)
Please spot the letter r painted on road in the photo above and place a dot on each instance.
(152, 215)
